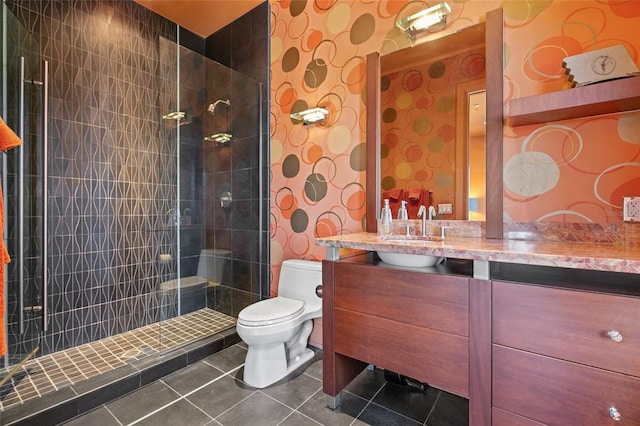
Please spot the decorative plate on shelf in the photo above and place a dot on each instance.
(599, 65)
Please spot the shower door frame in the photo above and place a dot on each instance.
(23, 336)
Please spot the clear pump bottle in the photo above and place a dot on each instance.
(386, 221)
(402, 211)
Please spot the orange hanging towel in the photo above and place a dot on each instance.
(8, 140)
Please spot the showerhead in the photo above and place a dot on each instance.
(212, 107)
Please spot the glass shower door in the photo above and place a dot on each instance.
(212, 262)
(24, 171)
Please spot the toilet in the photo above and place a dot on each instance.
(276, 330)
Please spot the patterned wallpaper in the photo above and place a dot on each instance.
(318, 58)
(574, 171)
(571, 171)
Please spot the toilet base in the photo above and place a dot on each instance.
(266, 365)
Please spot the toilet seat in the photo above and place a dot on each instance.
(270, 311)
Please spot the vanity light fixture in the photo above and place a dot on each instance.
(424, 19)
(310, 116)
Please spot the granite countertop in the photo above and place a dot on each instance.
(577, 255)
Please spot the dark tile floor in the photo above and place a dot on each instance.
(211, 392)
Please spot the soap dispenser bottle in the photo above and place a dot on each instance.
(402, 212)
(385, 222)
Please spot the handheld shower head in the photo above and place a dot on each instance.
(212, 107)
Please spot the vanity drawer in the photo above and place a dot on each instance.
(440, 302)
(437, 358)
(504, 418)
(568, 324)
(557, 392)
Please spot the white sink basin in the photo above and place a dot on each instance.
(409, 260)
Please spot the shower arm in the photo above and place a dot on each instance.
(224, 137)
(212, 107)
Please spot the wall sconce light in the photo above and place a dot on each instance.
(310, 116)
(424, 19)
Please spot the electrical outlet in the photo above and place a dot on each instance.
(445, 208)
(631, 209)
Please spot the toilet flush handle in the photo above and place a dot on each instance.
(319, 291)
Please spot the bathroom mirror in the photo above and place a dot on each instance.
(380, 146)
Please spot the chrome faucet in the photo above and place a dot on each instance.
(432, 212)
(422, 213)
(425, 214)
(443, 234)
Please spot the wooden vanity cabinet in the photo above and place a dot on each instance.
(535, 345)
(413, 323)
(564, 356)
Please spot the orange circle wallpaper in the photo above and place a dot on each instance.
(566, 171)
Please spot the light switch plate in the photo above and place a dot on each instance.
(631, 209)
(445, 208)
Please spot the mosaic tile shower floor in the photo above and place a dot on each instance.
(55, 371)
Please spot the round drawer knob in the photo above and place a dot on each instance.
(615, 335)
(615, 414)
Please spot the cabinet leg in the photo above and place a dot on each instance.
(333, 402)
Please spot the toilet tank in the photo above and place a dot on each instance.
(299, 279)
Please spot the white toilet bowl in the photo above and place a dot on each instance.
(276, 330)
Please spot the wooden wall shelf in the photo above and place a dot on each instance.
(601, 98)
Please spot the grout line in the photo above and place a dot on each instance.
(295, 410)
(186, 395)
(235, 405)
(200, 409)
(45, 373)
(433, 407)
(32, 384)
(394, 411)
(205, 322)
(82, 354)
(369, 402)
(301, 404)
(112, 415)
(302, 414)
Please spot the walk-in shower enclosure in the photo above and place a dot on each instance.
(115, 193)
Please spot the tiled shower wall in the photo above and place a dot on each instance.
(111, 168)
(243, 229)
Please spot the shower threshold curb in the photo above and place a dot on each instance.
(72, 401)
